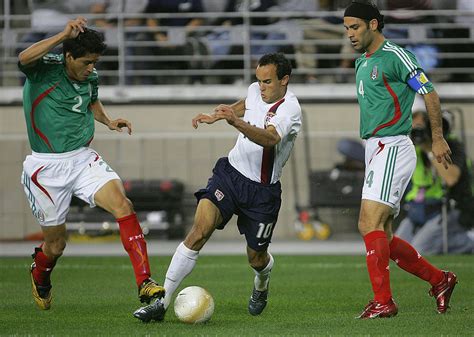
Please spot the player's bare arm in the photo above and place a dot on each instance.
(238, 108)
(267, 137)
(101, 116)
(440, 147)
(36, 51)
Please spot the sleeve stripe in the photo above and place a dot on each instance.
(402, 53)
(403, 57)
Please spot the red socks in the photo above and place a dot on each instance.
(378, 254)
(134, 243)
(409, 260)
(44, 267)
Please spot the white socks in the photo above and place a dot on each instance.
(182, 263)
(263, 277)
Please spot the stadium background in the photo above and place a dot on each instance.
(164, 145)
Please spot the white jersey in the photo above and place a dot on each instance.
(252, 160)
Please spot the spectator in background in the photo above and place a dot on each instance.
(462, 29)
(108, 25)
(430, 184)
(171, 36)
(405, 12)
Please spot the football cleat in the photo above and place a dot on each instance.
(258, 301)
(376, 310)
(443, 290)
(155, 311)
(41, 294)
(149, 290)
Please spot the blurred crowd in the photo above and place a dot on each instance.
(157, 47)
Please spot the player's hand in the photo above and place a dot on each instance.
(118, 124)
(226, 112)
(203, 118)
(74, 27)
(442, 152)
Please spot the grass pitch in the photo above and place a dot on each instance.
(309, 296)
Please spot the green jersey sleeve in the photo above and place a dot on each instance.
(36, 72)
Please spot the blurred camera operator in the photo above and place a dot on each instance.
(430, 184)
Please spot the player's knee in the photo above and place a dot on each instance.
(123, 207)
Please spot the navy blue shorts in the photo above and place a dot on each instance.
(255, 204)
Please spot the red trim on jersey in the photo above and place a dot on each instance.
(32, 114)
(89, 141)
(268, 156)
(34, 179)
(396, 103)
(381, 147)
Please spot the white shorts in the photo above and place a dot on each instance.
(389, 165)
(51, 179)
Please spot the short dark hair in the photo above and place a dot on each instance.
(282, 64)
(88, 42)
(365, 10)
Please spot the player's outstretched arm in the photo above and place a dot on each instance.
(36, 51)
(440, 147)
(113, 124)
(204, 118)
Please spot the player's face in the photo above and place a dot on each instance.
(360, 35)
(80, 68)
(271, 88)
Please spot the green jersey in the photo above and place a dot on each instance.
(387, 81)
(57, 109)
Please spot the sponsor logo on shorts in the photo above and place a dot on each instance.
(219, 195)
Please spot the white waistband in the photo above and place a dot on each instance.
(63, 155)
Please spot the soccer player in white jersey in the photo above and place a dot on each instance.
(246, 183)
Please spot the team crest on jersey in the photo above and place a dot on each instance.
(219, 195)
(268, 117)
(374, 73)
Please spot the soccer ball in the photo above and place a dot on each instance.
(194, 305)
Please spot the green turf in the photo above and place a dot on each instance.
(309, 296)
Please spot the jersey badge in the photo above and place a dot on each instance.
(374, 73)
(268, 117)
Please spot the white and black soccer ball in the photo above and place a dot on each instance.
(194, 305)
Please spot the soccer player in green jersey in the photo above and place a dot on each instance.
(388, 78)
(60, 99)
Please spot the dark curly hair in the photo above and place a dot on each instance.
(282, 64)
(88, 42)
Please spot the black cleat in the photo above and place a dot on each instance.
(258, 302)
(155, 311)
